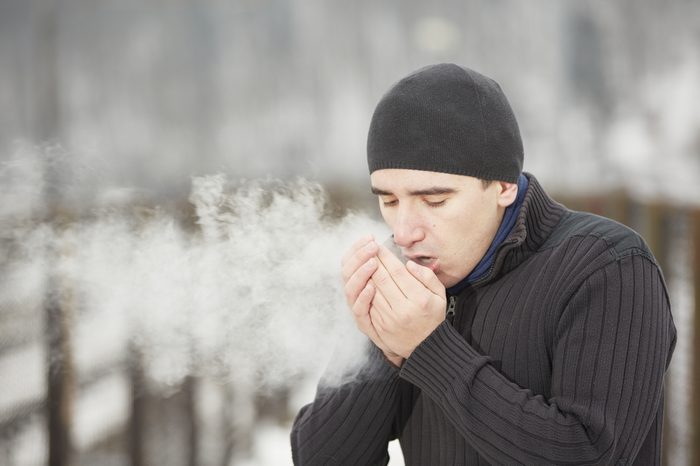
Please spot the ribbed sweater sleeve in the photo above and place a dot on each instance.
(351, 424)
(608, 354)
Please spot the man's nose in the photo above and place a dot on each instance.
(407, 230)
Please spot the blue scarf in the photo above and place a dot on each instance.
(509, 217)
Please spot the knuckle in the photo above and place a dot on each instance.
(368, 265)
(359, 309)
(403, 320)
(423, 300)
(347, 271)
(350, 304)
(438, 305)
(350, 298)
(347, 287)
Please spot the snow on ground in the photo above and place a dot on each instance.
(271, 448)
(101, 411)
(23, 378)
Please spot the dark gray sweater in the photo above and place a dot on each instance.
(557, 356)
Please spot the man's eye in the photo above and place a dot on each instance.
(390, 203)
(435, 203)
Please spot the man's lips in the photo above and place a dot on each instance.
(425, 261)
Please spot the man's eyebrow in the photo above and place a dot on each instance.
(380, 192)
(418, 192)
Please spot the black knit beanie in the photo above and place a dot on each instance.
(450, 119)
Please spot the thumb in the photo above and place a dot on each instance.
(427, 277)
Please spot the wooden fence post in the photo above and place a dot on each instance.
(137, 420)
(189, 388)
(59, 372)
(46, 128)
(695, 346)
(656, 232)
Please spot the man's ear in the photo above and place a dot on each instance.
(507, 193)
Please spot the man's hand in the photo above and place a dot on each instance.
(357, 266)
(408, 304)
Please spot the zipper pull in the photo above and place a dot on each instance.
(451, 309)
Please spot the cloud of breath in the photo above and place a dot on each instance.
(251, 290)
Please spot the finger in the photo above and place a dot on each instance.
(356, 246)
(364, 324)
(427, 277)
(355, 260)
(361, 315)
(363, 302)
(397, 269)
(392, 263)
(363, 319)
(393, 278)
(359, 280)
(385, 283)
(381, 313)
(381, 303)
(379, 321)
(408, 283)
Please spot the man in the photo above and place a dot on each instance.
(518, 332)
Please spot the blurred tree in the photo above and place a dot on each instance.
(47, 130)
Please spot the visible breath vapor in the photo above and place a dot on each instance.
(252, 290)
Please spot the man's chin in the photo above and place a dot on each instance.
(446, 280)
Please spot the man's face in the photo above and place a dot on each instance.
(442, 221)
